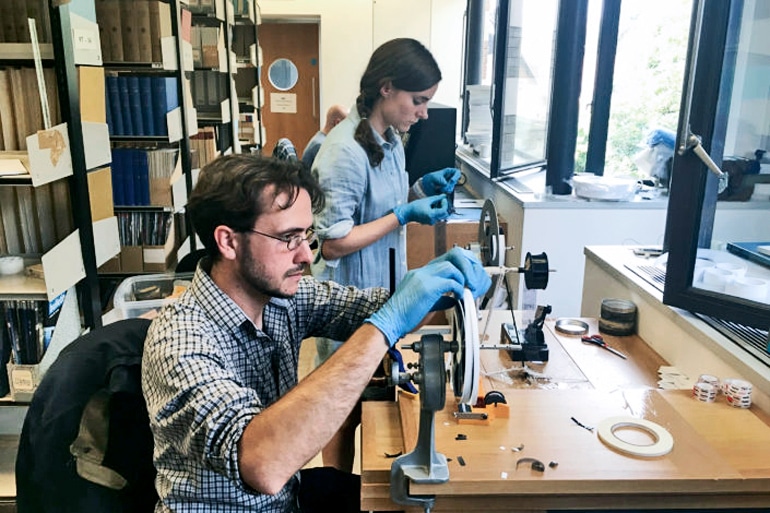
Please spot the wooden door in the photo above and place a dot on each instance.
(292, 113)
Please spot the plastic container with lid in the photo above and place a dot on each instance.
(138, 295)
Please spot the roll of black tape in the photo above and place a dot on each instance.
(618, 317)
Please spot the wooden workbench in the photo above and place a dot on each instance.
(720, 459)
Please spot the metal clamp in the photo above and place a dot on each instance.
(424, 464)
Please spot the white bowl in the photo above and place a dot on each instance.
(606, 188)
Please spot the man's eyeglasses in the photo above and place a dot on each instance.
(292, 241)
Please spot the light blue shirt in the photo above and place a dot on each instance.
(357, 193)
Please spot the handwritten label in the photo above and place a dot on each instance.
(22, 380)
(84, 39)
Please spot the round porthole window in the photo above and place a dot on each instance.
(283, 74)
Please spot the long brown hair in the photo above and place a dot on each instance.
(408, 66)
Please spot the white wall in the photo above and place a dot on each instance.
(350, 30)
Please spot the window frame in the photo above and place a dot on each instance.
(693, 191)
(563, 113)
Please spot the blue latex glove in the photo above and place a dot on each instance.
(440, 181)
(423, 288)
(424, 210)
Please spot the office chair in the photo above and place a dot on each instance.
(189, 262)
(86, 443)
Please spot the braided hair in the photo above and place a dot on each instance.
(408, 66)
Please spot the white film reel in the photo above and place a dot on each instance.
(468, 337)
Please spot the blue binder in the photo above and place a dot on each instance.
(135, 105)
(118, 196)
(141, 172)
(124, 106)
(116, 112)
(145, 92)
(164, 99)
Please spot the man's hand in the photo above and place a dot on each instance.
(424, 211)
(423, 288)
(444, 181)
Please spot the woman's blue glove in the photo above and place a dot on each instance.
(424, 210)
(440, 181)
(423, 288)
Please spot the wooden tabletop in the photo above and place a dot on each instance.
(721, 454)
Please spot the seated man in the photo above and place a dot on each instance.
(232, 426)
(334, 115)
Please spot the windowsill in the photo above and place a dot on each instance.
(680, 337)
(527, 189)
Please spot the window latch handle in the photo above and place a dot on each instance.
(693, 142)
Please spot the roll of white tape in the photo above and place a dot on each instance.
(705, 392)
(11, 265)
(737, 269)
(662, 444)
(709, 378)
(717, 278)
(748, 288)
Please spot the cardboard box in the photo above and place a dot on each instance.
(420, 245)
(161, 258)
(131, 259)
(25, 378)
(424, 243)
(111, 266)
(158, 259)
(160, 192)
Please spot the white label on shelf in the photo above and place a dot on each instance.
(85, 41)
(285, 103)
(96, 141)
(187, 56)
(174, 122)
(168, 52)
(225, 108)
(192, 120)
(63, 265)
(106, 240)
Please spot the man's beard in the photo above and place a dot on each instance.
(253, 272)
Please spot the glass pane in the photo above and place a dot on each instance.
(478, 133)
(488, 43)
(738, 262)
(527, 88)
(646, 85)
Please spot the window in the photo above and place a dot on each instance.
(729, 108)
(576, 83)
(632, 81)
(509, 71)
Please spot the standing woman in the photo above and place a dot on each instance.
(361, 168)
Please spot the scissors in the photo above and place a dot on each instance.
(599, 341)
